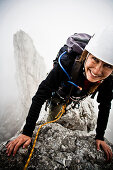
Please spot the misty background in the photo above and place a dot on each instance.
(49, 23)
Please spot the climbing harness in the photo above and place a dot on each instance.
(76, 101)
(57, 117)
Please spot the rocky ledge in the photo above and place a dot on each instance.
(68, 144)
(58, 148)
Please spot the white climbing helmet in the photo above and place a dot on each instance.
(101, 45)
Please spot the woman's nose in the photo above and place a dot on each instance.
(98, 69)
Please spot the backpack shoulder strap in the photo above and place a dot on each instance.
(76, 70)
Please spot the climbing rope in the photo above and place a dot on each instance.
(57, 117)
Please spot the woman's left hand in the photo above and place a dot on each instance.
(106, 149)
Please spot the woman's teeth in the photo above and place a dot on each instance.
(94, 74)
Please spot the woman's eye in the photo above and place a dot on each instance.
(95, 59)
(108, 66)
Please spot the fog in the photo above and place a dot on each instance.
(48, 23)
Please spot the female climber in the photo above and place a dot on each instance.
(82, 68)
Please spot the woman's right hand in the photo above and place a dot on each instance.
(16, 143)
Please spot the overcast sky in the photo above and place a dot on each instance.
(48, 23)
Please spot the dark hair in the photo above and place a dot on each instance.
(83, 56)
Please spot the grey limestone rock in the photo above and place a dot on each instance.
(59, 148)
(29, 73)
(82, 117)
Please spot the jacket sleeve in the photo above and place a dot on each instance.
(44, 92)
(104, 99)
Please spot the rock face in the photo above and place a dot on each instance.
(29, 66)
(80, 117)
(29, 73)
(61, 146)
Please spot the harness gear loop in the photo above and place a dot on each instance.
(57, 117)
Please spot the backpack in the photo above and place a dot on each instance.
(75, 44)
(70, 53)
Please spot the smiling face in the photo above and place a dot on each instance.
(96, 69)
